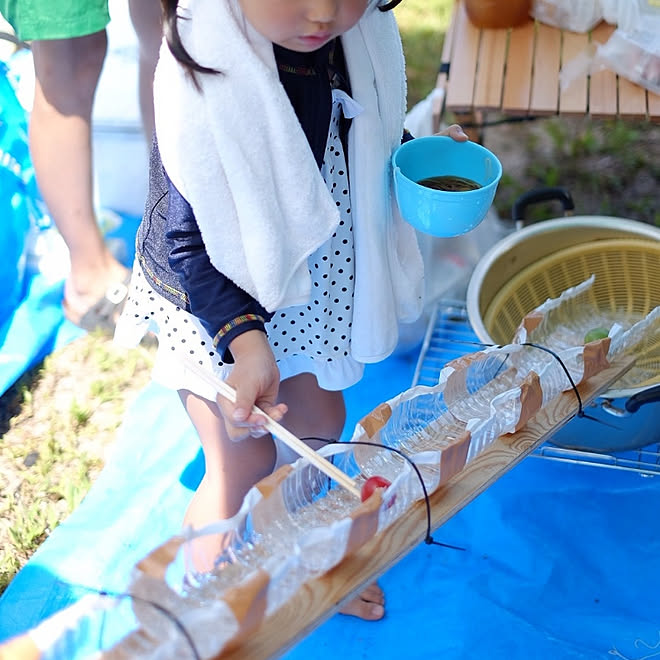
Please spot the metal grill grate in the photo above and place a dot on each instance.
(449, 336)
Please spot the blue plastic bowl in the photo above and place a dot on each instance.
(438, 212)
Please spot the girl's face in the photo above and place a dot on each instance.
(302, 25)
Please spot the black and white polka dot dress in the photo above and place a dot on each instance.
(313, 338)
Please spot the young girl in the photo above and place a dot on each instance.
(271, 252)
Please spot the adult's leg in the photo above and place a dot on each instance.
(317, 413)
(232, 468)
(67, 73)
(147, 20)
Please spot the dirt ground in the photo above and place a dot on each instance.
(608, 168)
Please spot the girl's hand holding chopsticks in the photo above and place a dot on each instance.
(256, 380)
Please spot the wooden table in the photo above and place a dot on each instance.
(516, 72)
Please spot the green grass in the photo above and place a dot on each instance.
(422, 24)
(609, 167)
(56, 424)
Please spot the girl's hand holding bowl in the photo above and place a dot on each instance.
(466, 172)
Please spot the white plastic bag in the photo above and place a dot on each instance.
(633, 50)
(570, 15)
(629, 15)
(633, 55)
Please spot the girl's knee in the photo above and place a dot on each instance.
(313, 411)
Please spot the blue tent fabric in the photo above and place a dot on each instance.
(559, 560)
(33, 330)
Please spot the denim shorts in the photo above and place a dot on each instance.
(55, 19)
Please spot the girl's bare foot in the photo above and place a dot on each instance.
(369, 604)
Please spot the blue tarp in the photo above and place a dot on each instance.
(36, 326)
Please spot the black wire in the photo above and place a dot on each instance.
(580, 412)
(428, 539)
(12, 38)
(390, 5)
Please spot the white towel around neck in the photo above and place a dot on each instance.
(236, 151)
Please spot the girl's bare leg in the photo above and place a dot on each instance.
(232, 468)
(314, 412)
(67, 72)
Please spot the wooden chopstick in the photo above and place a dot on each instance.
(278, 430)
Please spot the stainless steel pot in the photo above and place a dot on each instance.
(629, 415)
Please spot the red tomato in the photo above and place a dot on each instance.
(371, 484)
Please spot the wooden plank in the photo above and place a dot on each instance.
(490, 69)
(573, 99)
(529, 77)
(463, 68)
(518, 77)
(317, 600)
(545, 83)
(603, 101)
(632, 100)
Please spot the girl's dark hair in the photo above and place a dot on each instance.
(389, 5)
(174, 43)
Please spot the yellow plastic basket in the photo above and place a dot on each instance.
(626, 289)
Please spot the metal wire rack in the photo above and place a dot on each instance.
(449, 336)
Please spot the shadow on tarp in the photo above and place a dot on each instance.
(560, 560)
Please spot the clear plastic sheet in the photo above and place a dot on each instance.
(561, 325)
(567, 14)
(634, 55)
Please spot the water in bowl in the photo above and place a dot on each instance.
(449, 183)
